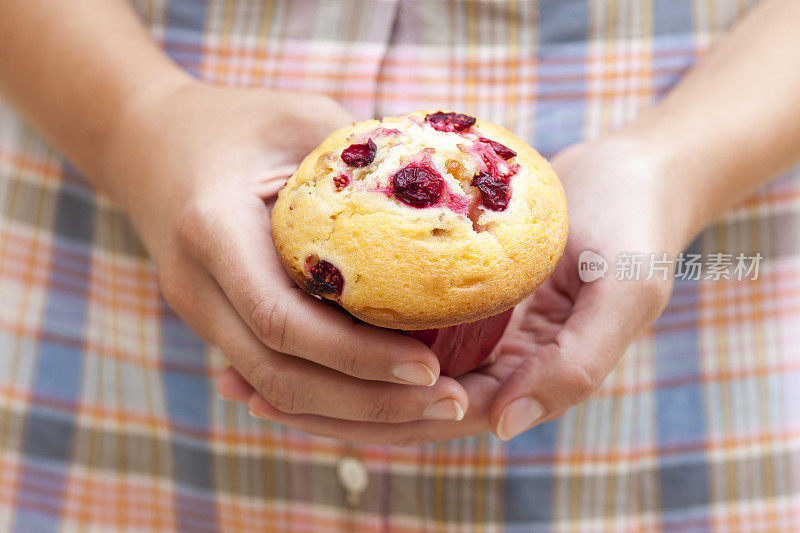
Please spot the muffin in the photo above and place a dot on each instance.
(423, 221)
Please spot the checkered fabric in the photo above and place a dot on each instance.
(109, 419)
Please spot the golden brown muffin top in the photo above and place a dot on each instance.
(421, 221)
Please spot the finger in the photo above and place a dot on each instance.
(269, 184)
(568, 370)
(294, 385)
(233, 387)
(481, 387)
(238, 252)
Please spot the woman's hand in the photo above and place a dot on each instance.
(191, 165)
(564, 340)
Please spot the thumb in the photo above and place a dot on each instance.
(607, 315)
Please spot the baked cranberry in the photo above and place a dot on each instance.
(341, 181)
(494, 191)
(500, 149)
(449, 121)
(417, 186)
(359, 155)
(326, 279)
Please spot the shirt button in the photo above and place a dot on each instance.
(353, 476)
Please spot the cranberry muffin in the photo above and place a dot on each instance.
(421, 221)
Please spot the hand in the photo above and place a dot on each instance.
(564, 340)
(191, 166)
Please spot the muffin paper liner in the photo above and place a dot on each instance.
(462, 348)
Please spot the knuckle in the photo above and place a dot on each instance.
(318, 106)
(192, 221)
(656, 294)
(269, 319)
(408, 441)
(276, 389)
(171, 289)
(415, 438)
(582, 382)
(577, 380)
(320, 103)
(386, 410)
(347, 362)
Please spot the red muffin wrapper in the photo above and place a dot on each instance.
(462, 348)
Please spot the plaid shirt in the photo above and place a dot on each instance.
(109, 419)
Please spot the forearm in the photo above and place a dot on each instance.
(73, 68)
(734, 121)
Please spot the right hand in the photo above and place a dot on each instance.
(193, 166)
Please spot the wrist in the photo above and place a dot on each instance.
(135, 136)
(700, 173)
(136, 171)
(653, 171)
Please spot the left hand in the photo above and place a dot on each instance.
(565, 339)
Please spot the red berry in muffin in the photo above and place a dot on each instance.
(341, 181)
(494, 190)
(325, 278)
(449, 121)
(359, 155)
(417, 186)
(500, 149)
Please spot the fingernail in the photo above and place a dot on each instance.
(518, 416)
(447, 409)
(256, 416)
(414, 373)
